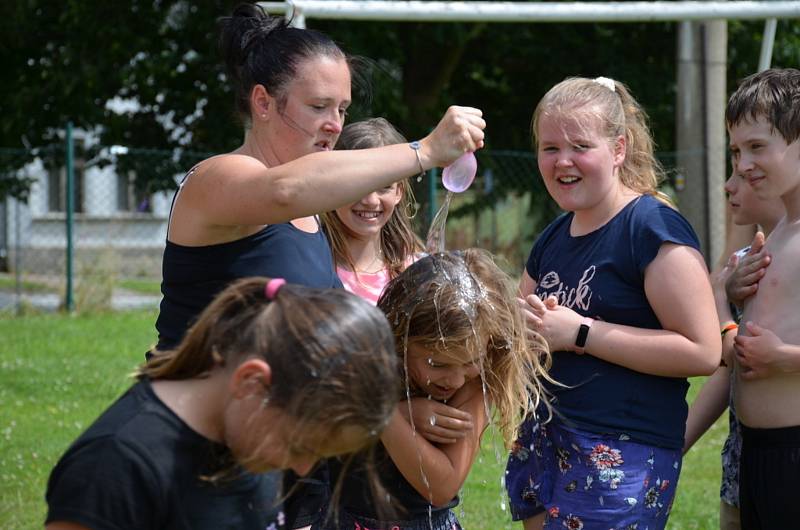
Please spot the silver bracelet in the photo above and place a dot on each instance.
(415, 145)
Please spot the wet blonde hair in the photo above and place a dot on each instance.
(398, 240)
(460, 300)
(618, 114)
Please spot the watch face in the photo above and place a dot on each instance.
(583, 333)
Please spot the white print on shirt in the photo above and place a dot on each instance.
(580, 296)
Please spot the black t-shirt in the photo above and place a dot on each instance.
(356, 497)
(139, 466)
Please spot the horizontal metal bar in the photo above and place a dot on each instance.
(537, 11)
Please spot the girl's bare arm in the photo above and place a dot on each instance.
(238, 190)
(677, 287)
(437, 472)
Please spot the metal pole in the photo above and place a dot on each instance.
(715, 74)
(18, 256)
(523, 12)
(765, 58)
(70, 302)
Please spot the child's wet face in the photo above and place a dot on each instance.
(439, 374)
(761, 155)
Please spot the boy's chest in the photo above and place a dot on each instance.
(775, 304)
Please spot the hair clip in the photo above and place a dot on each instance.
(271, 290)
(606, 82)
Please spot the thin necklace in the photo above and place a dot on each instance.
(378, 258)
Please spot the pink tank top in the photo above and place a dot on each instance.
(368, 286)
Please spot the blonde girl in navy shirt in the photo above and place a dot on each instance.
(618, 287)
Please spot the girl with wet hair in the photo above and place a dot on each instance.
(372, 240)
(619, 289)
(461, 341)
(270, 377)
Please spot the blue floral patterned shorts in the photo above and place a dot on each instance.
(585, 480)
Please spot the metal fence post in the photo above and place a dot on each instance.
(18, 256)
(70, 207)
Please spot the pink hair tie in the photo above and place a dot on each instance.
(272, 287)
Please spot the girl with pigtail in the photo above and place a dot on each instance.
(620, 291)
(461, 346)
(270, 377)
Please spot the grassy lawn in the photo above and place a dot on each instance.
(141, 286)
(57, 373)
(9, 283)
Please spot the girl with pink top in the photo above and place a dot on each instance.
(371, 239)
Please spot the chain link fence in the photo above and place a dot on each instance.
(111, 256)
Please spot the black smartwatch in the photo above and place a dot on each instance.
(583, 334)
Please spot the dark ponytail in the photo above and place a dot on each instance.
(262, 50)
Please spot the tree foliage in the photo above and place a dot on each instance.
(64, 61)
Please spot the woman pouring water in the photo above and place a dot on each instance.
(252, 212)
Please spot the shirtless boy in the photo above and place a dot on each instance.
(763, 119)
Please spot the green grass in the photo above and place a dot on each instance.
(58, 372)
(141, 286)
(9, 283)
(138, 285)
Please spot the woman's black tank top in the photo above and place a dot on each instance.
(192, 276)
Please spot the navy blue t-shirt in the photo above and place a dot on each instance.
(601, 275)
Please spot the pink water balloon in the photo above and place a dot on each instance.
(458, 176)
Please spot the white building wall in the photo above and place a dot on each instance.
(136, 239)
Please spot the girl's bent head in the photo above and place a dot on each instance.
(317, 367)
(455, 318)
(607, 108)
